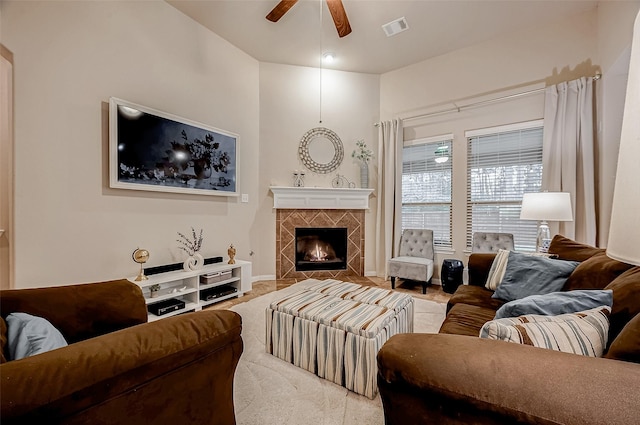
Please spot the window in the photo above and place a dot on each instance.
(426, 187)
(502, 164)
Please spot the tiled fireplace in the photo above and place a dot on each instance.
(311, 227)
(287, 221)
(321, 248)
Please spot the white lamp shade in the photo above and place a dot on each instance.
(624, 233)
(547, 206)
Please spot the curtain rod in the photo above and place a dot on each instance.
(480, 103)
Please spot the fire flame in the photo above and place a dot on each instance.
(318, 254)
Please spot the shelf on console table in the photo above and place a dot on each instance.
(188, 288)
(331, 198)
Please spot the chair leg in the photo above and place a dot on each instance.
(393, 282)
(424, 286)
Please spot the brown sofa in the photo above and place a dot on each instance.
(454, 377)
(118, 369)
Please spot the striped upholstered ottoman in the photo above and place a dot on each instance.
(335, 329)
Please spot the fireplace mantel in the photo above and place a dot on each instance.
(319, 198)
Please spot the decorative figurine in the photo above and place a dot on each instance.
(342, 181)
(140, 256)
(298, 178)
(232, 253)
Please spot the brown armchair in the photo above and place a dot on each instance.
(117, 368)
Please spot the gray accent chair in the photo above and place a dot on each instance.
(415, 258)
(491, 242)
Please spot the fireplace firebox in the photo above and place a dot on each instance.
(321, 248)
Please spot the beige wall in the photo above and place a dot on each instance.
(69, 58)
(524, 61)
(615, 28)
(289, 107)
(490, 68)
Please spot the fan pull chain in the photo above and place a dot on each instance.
(320, 112)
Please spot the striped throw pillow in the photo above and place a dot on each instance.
(585, 332)
(498, 268)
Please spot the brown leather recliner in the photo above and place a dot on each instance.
(117, 368)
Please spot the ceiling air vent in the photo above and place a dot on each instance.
(395, 27)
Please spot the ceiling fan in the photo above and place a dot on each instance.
(335, 7)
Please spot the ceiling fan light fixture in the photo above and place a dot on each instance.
(395, 27)
(328, 57)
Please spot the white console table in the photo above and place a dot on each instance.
(186, 286)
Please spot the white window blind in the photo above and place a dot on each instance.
(502, 164)
(426, 187)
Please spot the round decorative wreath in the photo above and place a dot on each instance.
(303, 150)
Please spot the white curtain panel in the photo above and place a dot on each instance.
(568, 154)
(389, 197)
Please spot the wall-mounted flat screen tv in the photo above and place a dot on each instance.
(158, 151)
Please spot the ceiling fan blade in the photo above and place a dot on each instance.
(339, 17)
(280, 9)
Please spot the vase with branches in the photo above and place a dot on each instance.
(192, 247)
(363, 154)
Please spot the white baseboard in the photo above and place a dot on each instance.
(263, 277)
(434, 281)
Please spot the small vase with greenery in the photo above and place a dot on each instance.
(154, 290)
(363, 154)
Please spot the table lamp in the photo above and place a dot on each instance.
(624, 232)
(544, 207)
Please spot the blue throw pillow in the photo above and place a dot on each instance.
(557, 303)
(29, 335)
(531, 275)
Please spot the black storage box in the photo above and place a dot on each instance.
(166, 306)
(451, 275)
(217, 292)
